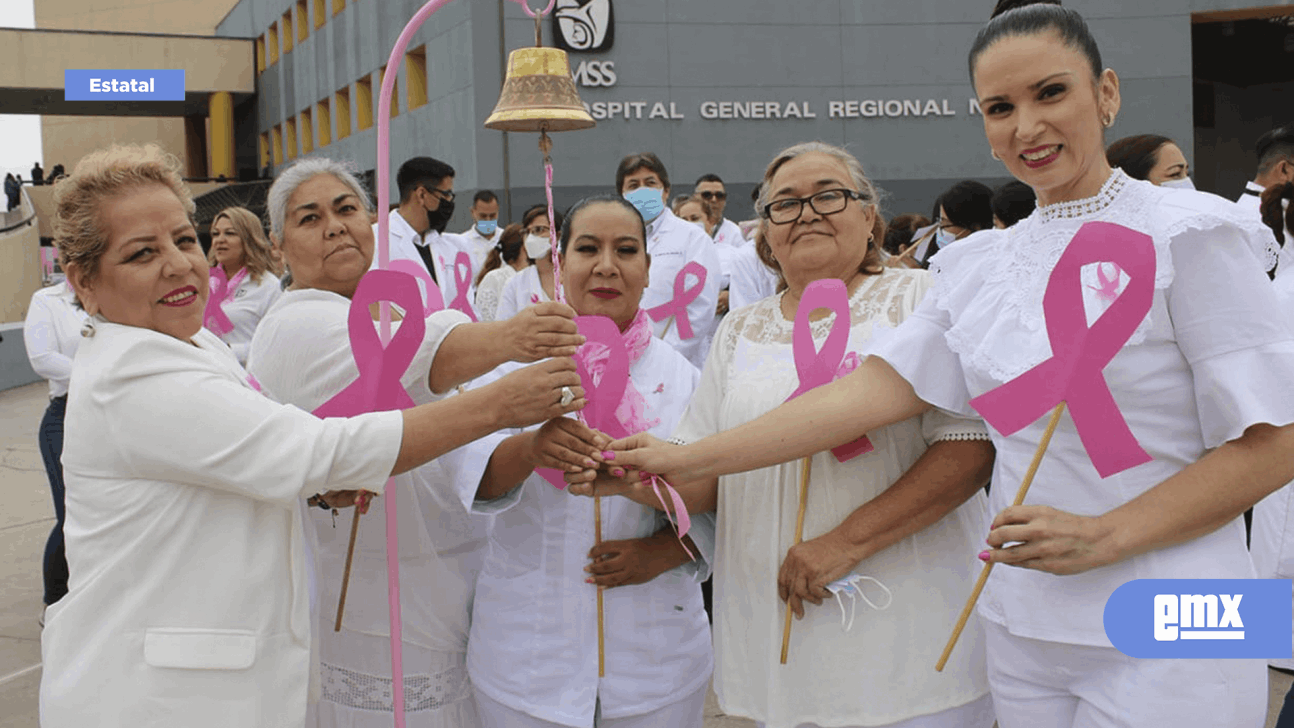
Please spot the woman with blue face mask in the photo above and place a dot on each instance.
(673, 243)
(964, 208)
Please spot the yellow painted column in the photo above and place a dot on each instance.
(221, 110)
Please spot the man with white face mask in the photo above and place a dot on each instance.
(485, 231)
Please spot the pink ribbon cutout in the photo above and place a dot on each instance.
(817, 367)
(677, 306)
(603, 396)
(462, 280)
(434, 301)
(1073, 374)
(213, 316)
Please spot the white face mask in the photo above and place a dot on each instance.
(1182, 184)
(537, 245)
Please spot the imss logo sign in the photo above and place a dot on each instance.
(584, 26)
(1202, 618)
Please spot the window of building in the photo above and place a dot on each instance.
(286, 22)
(303, 22)
(273, 37)
(338, 6)
(395, 91)
(290, 139)
(263, 149)
(364, 102)
(260, 55)
(343, 113)
(276, 144)
(323, 122)
(307, 132)
(321, 16)
(415, 75)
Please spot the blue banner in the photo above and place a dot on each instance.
(1202, 618)
(102, 84)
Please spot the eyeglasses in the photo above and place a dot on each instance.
(446, 195)
(826, 202)
(712, 195)
(540, 230)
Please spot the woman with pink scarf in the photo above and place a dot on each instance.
(533, 649)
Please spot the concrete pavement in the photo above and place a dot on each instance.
(27, 514)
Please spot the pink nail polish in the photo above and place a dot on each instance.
(983, 555)
(618, 472)
(608, 455)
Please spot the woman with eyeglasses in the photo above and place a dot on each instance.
(535, 283)
(871, 522)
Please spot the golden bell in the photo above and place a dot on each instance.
(539, 94)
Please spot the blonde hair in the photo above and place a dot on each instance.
(257, 256)
(706, 208)
(78, 198)
(871, 198)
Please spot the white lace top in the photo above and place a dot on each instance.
(1208, 361)
(487, 294)
(882, 670)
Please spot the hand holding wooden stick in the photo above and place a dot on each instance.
(350, 556)
(1019, 499)
(805, 469)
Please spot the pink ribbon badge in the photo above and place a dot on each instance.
(819, 367)
(677, 306)
(213, 316)
(378, 387)
(462, 282)
(603, 395)
(1079, 353)
(433, 301)
(1109, 288)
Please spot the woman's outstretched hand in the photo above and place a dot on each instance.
(534, 394)
(1050, 540)
(567, 445)
(542, 331)
(646, 453)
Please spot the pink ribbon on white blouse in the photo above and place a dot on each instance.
(221, 290)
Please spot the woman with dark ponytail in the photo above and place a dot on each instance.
(1199, 387)
(504, 262)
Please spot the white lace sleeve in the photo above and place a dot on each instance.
(702, 416)
(487, 295)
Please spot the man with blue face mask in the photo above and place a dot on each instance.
(673, 243)
(485, 231)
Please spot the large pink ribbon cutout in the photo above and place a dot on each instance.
(1073, 374)
(603, 396)
(683, 295)
(213, 316)
(819, 367)
(433, 300)
(462, 283)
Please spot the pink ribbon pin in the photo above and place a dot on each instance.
(1079, 353)
(1109, 288)
(677, 306)
(462, 281)
(434, 301)
(818, 367)
(213, 316)
(378, 387)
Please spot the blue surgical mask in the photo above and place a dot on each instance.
(1182, 184)
(649, 201)
(943, 238)
(487, 227)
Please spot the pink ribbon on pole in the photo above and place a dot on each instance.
(213, 316)
(462, 284)
(818, 367)
(1079, 353)
(433, 301)
(559, 293)
(677, 306)
(384, 261)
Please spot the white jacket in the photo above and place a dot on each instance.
(188, 602)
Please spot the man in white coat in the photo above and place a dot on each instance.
(1275, 166)
(485, 231)
(417, 228)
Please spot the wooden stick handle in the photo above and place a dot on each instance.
(1019, 498)
(345, 576)
(805, 468)
(597, 536)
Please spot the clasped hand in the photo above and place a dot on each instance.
(1049, 540)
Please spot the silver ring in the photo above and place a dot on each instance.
(568, 396)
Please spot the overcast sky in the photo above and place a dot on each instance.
(19, 134)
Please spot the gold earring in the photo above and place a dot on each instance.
(993, 153)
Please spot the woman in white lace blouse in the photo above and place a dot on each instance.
(1202, 385)
(871, 516)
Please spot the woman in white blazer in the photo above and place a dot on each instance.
(188, 601)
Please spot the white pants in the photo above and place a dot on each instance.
(1040, 684)
(975, 714)
(686, 713)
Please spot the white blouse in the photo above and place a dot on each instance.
(52, 333)
(302, 356)
(250, 303)
(188, 600)
(751, 280)
(1208, 361)
(534, 625)
(491, 289)
(881, 670)
(519, 293)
